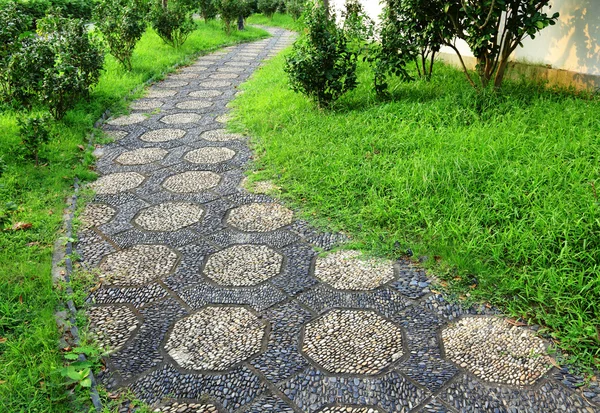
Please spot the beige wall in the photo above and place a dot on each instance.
(573, 44)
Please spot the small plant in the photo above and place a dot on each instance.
(78, 371)
(13, 24)
(35, 132)
(173, 22)
(229, 10)
(122, 23)
(295, 8)
(268, 7)
(208, 9)
(321, 65)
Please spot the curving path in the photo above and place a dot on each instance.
(214, 299)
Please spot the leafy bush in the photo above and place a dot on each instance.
(268, 7)
(58, 67)
(229, 10)
(208, 9)
(35, 132)
(321, 65)
(173, 22)
(122, 23)
(13, 24)
(295, 8)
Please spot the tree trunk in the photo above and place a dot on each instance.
(240, 23)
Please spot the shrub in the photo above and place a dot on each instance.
(208, 9)
(295, 8)
(268, 7)
(58, 67)
(35, 132)
(13, 24)
(229, 10)
(321, 65)
(122, 23)
(173, 22)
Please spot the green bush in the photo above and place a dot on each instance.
(229, 10)
(321, 65)
(295, 8)
(208, 9)
(56, 68)
(173, 22)
(122, 23)
(268, 7)
(13, 24)
(35, 132)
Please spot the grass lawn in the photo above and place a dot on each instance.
(500, 192)
(278, 20)
(29, 357)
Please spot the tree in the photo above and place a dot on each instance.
(208, 9)
(268, 7)
(172, 21)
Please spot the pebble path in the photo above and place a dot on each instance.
(216, 299)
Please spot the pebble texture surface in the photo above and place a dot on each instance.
(216, 299)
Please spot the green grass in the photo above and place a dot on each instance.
(501, 190)
(29, 357)
(279, 20)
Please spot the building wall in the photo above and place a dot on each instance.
(573, 44)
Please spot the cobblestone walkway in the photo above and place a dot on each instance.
(214, 299)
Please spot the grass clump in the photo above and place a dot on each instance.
(31, 206)
(501, 188)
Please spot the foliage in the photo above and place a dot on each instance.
(78, 371)
(13, 25)
(268, 7)
(497, 189)
(208, 9)
(321, 66)
(279, 20)
(173, 22)
(122, 24)
(229, 11)
(35, 132)
(295, 8)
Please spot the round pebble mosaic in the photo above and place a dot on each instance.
(349, 409)
(160, 93)
(260, 217)
(118, 182)
(231, 69)
(95, 215)
(205, 93)
(224, 76)
(209, 155)
(172, 83)
(194, 104)
(112, 326)
(141, 156)
(223, 118)
(215, 83)
(243, 265)
(116, 134)
(169, 216)
(184, 76)
(127, 119)
(215, 338)
(137, 265)
(496, 351)
(162, 135)
(346, 270)
(146, 104)
(191, 181)
(221, 135)
(181, 118)
(177, 407)
(352, 342)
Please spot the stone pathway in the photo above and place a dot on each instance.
(214, 299)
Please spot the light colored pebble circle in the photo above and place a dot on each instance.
(162, 135)
(144, 104)
(215, 83)
(260, 217)
(221, 135)
(195, 68)
(160, 93)
(116, 183)
(191, 181)
(496, 351)
(177, 407)
(127, 119)
(169, 216)
(215, 338)
(141, 156)
(224, 76)
(178, 118)
(172, 83)
(112, 326)
(231, 69)
(243, 265)
(223, 118)
(352, 342)
(205, 93)
(209, 155)
(347, 270)
(116, 134)
(194, 104)
(137, 265)
(349, 409)
(95, 215)
(184, 76)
